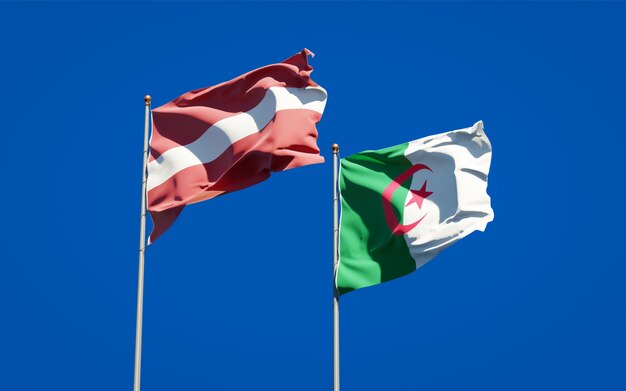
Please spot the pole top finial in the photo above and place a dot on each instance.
(147, 99)
(335, 148)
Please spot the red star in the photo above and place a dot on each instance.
(419, 196)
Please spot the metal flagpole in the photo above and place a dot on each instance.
(335, 261)
(142, 248)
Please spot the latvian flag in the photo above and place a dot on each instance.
(233, 135)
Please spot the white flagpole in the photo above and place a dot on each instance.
(142, 248)
(335, 261)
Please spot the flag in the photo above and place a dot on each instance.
(403, 205)
(233, 135)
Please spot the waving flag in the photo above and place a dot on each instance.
(401, 206)
(230, 136)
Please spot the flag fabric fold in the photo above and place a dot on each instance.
(227, 137)
(403, 205)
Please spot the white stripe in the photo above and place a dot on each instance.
(459, 203)
(221, 135)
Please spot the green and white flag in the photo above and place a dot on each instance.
(403, 205)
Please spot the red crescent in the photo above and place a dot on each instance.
(395, 226)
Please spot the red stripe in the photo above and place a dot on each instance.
(187, 117)
(161, 221)
(288, 141)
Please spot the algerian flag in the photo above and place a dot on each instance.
(401, 206)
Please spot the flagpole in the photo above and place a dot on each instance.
(335, 261)
(142, 248)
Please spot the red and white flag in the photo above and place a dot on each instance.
(233, 135)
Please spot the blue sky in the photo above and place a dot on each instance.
(239, 291)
